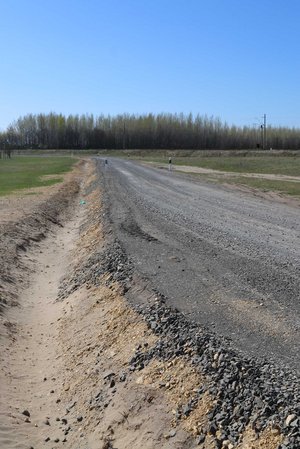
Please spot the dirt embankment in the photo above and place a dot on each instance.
(88, 369)
(25, 220)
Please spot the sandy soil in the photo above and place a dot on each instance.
(28, 369)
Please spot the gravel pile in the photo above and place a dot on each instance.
(111, 259)
(247, 391)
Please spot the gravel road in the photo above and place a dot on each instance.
(226, 259)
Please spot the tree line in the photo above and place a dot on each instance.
(147, 131)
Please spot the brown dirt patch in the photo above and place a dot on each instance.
(268, 439)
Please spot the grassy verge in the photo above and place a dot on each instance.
(258, 164)
(278, 165)
(266, 185)
(29, 171)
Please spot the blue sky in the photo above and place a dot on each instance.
(233, 59)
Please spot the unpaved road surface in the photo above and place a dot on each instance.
(226, 259)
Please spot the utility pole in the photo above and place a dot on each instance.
(124, 135)
(265, 132)
(263, 129)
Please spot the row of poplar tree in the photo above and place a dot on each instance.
(147, 131)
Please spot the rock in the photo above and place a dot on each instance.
(172, 433)
(289, 419)
(122, 377)
(108, 375)
(26, 413)
(47, 422)
(201, 439)
(212, 428)
(47, 439)
(79, 418)
(67, 430)
(64, 421)
(56, 440)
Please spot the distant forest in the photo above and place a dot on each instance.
(148, 131)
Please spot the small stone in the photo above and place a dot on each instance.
(64, 421)
(47, 422)
(56, 440)
(172, 433)
(26, 413)
(213, 428)
(201, 439)
(108, 374)
(289, 419)
(47, 439)
(79, 418)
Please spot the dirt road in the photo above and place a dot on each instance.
(226, 259)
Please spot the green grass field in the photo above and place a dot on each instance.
(279, 165)
(285, 187)
(258, 164)
(24, 172)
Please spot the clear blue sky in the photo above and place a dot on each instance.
(234, 59)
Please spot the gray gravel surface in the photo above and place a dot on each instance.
(225, 259)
